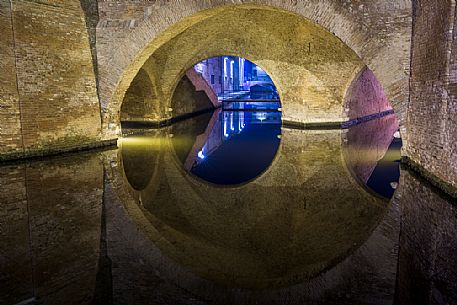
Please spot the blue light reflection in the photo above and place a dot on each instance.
(238, 146)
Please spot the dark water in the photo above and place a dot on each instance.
(142, 225)
(236, 146)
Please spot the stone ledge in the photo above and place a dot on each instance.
(366, 118)
(443, 187)
(54, 151)
(302, 125)
(336, 125)
(40, 153)
(165, 122)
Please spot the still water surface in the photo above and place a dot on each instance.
(228, 208)
(235, 147)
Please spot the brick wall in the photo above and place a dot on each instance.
(311, 83)
(51, 61)
(212, 70)
(90, 8)
(53, 64)
(186, 99)
(10, 127)
(377, 31)
(432, 122)
(140, 101)
(365, 96)
(201, 83)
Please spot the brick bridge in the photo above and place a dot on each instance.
(68, 66)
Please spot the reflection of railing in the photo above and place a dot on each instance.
(252, 101)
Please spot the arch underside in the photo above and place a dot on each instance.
(311, 66)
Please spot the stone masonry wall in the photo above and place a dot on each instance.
(311, 83)
(90, 8)
(49, 92)
(432, 123)
(365, 96)
(10, 126)
(186, 99)
(45, 50)
(140, 99)
(202, 84)
(378, 31)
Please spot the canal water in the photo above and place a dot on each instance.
(228, 207)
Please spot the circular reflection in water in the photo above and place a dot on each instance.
(298, 220)
(231, 148)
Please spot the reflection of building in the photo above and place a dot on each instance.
(233, 75)
(229, 124)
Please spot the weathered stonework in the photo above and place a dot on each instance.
(54, 104)
(10, 113)
(365, 96)
(378, 32)
(54, 54)
(140, 101)
(432, 123)
(49, 81)
(187, 100)
(311, 83)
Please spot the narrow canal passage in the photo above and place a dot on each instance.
(227, 204)
(309, 222)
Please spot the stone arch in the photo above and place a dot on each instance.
(183, 71)
(383, 47)
(365, 96)
(140, 99)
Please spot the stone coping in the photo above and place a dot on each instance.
(442, 187)
(52, 151)
(165, 122)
